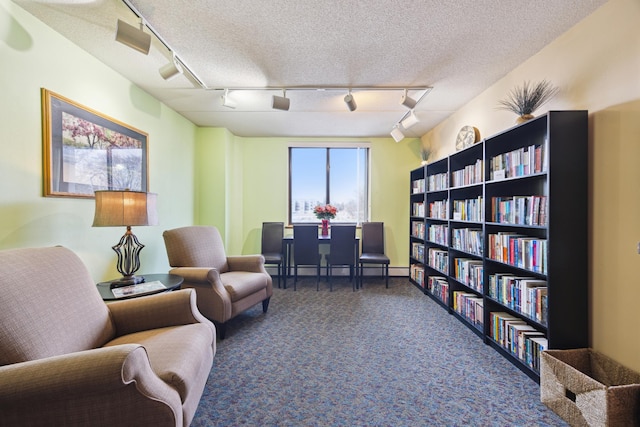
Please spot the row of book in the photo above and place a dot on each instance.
(469, 240)
(525, 295)
(439, 209)
(520, 162)
(470, 306)
(468, 210)
(416, 272)
(417, 209)
(439, 233)
(439, 259)
(470, 174)
(418, 186)
(438, 286)
(529, 253)
(519, 338)
(417, 251)
(469, 272)
(439, 181)
(525, 210)
(418, 229)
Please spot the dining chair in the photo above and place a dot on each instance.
(342, 252)
(306, 250)
(373, 249)
(272, 247)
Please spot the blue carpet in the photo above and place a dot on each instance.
(374, 357)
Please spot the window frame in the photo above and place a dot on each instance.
(328, 146)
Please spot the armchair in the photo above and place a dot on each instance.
(67, 358)
(226, 285)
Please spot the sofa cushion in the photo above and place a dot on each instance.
(176, 354)
(50, 305)
(240, 284)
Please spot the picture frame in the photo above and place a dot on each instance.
(85, 151)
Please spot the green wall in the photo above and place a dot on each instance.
(202, 175)
(252, 188)
(33, 56)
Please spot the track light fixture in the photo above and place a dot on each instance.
(407, 101)
(171, 70)
(133, 37)
(410, 120)
(226, 101)
(351, 103)
(281, 102)
(397, 134)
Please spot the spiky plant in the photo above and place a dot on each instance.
(524, 100)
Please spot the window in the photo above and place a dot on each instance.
(328, 175)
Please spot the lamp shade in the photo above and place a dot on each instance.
(118, 208)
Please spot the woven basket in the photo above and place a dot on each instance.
(586, 388)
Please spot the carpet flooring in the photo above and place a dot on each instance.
(374, 357)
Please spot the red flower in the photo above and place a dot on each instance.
(325, 212)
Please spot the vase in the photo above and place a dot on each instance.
(325, 227)
(523, 118)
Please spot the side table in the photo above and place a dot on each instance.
(171, 282)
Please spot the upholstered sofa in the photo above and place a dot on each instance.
(67, 358)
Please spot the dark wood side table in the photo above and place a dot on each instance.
(171, 282)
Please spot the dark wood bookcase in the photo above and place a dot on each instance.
(504, 237)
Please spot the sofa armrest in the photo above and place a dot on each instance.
(156, 311)
(87, 387)
(252, 263)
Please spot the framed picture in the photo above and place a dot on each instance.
(85, 151)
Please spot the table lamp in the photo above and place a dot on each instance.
(126, 208)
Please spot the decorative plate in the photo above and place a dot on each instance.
(467, 136)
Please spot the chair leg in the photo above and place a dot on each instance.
(279, 276)
(295, 277)
(386, 273)
(318, 277)
(221, 329)
(265, 304)
(329, 277)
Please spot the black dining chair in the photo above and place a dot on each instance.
(342, 252)
(306, 250)
(272, 247)
(373, 249)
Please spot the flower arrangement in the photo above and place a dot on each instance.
(325, 212)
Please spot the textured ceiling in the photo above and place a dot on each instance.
(457, 47)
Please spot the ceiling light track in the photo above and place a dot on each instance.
(176, 59)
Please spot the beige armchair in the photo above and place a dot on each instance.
(67, 358)
(226, 285)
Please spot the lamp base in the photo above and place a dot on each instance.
(127, 281)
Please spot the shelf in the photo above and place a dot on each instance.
(534, 216)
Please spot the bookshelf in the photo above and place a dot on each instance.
(504, 247)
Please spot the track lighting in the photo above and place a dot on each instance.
(351, 103)
(410, 120)
(226, 101)
(407, 101)
(397, 134)
(171, 70)
(281, 102)
(133, 37)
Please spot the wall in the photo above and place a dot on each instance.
(596, 64)
(255, 179)
(34, 56)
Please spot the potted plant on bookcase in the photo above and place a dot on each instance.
(524, 100)
(325, 213)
